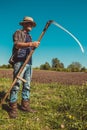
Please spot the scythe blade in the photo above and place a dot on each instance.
(64, 29)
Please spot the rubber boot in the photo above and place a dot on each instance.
(25, 106)
(13, 110)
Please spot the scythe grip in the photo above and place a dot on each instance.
(44, 30)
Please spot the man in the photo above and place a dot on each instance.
(22, 46)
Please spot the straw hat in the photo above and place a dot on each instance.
(28, 20)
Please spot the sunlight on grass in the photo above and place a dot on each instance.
(58, 107)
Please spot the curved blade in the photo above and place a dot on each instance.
(61, 27)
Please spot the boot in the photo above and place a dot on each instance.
(13, 110)
(25, 106)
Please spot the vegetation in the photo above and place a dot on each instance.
(6, 66)
(59, 107)
(57, 66)
(75, 67)
(45, 66)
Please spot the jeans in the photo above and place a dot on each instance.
(26, 74)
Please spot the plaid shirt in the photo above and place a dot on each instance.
(21, 36)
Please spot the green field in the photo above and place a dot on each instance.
(58, 107)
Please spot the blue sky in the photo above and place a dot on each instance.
(71, 14)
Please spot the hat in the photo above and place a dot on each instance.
(28, 20)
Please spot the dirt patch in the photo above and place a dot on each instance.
(41, 76)
(76, 78)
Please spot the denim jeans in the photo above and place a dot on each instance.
(26, 74)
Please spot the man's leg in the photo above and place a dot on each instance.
(26, 90)
(14, 92)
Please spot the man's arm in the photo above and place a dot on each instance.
(19, 39)
(28, 44)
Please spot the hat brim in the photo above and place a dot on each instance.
(23, 22)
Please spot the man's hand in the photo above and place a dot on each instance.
(36, 44)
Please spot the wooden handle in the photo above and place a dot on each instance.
(21, 79)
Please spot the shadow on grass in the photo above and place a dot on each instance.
(2, 95)
(4, 105)
(6, 108)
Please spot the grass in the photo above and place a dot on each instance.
(58, 107)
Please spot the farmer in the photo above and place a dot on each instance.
(22, 45)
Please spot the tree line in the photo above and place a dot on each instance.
(56, 65)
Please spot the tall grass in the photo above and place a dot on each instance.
(58, 107)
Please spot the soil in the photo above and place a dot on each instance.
(42, 76)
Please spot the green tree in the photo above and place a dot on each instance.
(8, 66)
(83, 69)
(45, 66)
(74, 67)
(56, 64)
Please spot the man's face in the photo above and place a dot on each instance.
(28, 26)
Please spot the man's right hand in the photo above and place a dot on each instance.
(35, 43)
